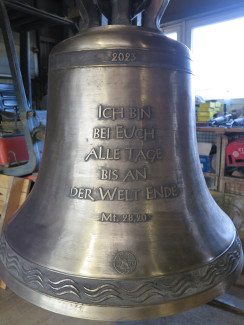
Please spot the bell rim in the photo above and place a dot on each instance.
(92, 309)
(125, 313)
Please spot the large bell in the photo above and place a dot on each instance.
(120, 224)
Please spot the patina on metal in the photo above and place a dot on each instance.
(120, 224)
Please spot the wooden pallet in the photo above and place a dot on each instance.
(233, 206)
(13, 192)
(231, 185)
(232, 300)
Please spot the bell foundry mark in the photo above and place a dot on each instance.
(125, 262)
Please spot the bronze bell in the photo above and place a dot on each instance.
(120, 224)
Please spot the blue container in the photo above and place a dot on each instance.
(205, 163)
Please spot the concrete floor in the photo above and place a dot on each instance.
(16, 311)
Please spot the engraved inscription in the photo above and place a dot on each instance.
(131, 175)
(127, 154)
(151, 155)
(122, 132)
(109, 174)
(81, 193)
(124, 194)
(117, 194)
(125, 262)
(123, 57)
(102, 133)
(125, 218)
(101, 153)
(135, 175)
(161, 192)
(137, 154)
(126, 113)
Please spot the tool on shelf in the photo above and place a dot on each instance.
(220, 121)
(238, 122)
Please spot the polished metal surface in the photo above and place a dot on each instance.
(120, 224)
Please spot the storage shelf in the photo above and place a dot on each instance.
(220, 130)
(212, 175)
(223, 183)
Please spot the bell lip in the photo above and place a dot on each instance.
(125, 313)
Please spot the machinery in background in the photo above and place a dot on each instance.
(21, 106)
(215, 114)
(13, 148)
(221, 120)
(27, 126)
(238, 122)
(227, 120)
(235, 157)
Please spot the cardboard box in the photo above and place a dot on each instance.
(207, 105)
(204, 109)
(203, 113)
(203, 118)
(218, 104)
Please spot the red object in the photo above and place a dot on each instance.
(13, 150)
(235, 153)
(32, 177)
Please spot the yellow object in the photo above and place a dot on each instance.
(203, 118)
(204, 109)
(218, 104)
(207, 105)
(205, 113)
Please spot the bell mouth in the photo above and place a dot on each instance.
(110, 300)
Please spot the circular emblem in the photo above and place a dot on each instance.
(124, 262)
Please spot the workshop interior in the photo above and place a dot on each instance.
(121, 162)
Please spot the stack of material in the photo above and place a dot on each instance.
(207, 110)
(13, 193)
(10, 127)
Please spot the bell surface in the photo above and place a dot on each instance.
(120, 224)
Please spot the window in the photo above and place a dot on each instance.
(217, 45)
(218, 53)
(172, 35)
(175, 31)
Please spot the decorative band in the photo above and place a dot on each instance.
(117, 57)
(120, 293)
